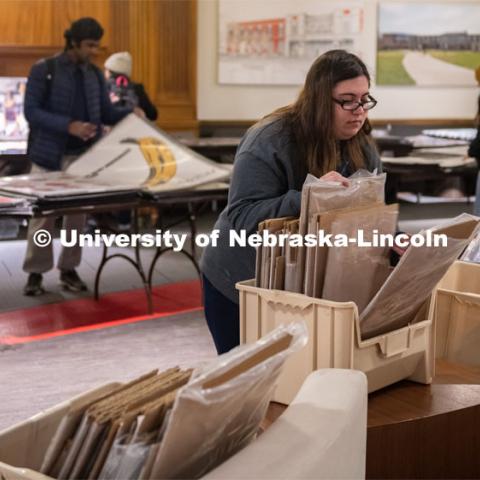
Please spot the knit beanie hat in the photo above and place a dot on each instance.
(120, 62)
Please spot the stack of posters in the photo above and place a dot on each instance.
(467, 134)
(444, 157)
(358, 268)
(426, 141)
(302, 262)
(172, 424)
(93, 439)
(13, 206)
(134, 158)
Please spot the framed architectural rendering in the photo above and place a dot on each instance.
(428, 44)
(274, 42)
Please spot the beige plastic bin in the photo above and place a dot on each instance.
(457, 314)
(23, 446)
(334, 339)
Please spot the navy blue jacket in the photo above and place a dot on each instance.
(49, 117)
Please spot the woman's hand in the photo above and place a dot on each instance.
(397, 251)
(334, 176)
(400, 250)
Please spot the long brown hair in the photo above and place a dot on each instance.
(311, 116)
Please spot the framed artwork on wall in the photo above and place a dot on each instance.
(428, 44)
(274, 42)
(13, 125)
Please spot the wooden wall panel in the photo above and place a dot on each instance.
(176, 85)
(174, 36)
(26, 22)
(17, 61)
(120, 22)
(160, 35)
(142, 44)
(66, 11)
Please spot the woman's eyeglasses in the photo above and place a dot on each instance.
(351, 105)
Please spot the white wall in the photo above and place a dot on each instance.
(233, 102)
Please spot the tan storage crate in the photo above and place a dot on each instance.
(457, 314)
(334, 339)
(25, 444)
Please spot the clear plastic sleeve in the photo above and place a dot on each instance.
(319, 196)
(355, 273)
(414, 278)
(221, 408)
(472, 252)
(125, 460)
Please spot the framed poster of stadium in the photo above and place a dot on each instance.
(428, 44)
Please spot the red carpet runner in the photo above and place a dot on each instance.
(73, 316)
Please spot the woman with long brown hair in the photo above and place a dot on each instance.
(326, 133)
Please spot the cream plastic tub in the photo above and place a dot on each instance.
(334, 339)
(457, 314)
(25, 444)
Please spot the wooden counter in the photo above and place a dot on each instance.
(426, 431)
(423, 431)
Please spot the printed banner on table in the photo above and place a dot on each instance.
(135, 155)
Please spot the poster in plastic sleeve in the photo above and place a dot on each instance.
(134, 156)
(137, 154)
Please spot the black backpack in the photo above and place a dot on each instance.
(50, 63)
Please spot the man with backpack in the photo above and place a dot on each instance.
(66, 105)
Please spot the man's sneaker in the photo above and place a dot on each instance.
(34, 285)
(70, 280)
